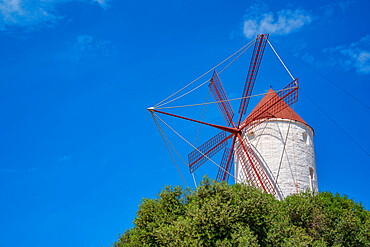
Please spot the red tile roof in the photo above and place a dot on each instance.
(285, 114)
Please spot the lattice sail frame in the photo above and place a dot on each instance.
(219, 94)
(250, 163)
(252, 167)
(258, 51)
(277, 103)
(208, 149)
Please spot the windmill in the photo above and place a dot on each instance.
(236, 148)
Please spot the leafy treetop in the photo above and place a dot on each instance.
(240, 215)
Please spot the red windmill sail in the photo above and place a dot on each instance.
(275, 104)
(254, 66)
(224, 172)
(207, 149)
(219, 95)
(252, 167)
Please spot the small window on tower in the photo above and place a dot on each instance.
(311, 173)
(311, 178)
(250, 135)
(305, 138)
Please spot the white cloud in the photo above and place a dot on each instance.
(353, 56)
(93, 46)
(257, 20)
(87, 47)
(32, 14)
(103, 3)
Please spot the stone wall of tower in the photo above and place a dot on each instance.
(298, 169)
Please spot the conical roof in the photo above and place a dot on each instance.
(285, 114)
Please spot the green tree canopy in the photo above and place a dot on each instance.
(240, 215)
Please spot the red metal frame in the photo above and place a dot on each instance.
(220, 97)
(226, 164)
(198, 156)
(258, 51)
(224, 128)
(277, 103)
(252, 166)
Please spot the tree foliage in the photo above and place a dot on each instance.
(240, 215)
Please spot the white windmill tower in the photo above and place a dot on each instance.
(283, 143)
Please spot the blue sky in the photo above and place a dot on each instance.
(79, 148)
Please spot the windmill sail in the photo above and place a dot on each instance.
(208, 149)
(258, 51)
(278, 102)
(218, 93)
(225, 166)
(253, 169)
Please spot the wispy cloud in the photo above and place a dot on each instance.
(103, 3)
(352, 56)
(89, 44)
(65, 158)
(333, 7)
(259, 20)
(87, 47)
(32, 14)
